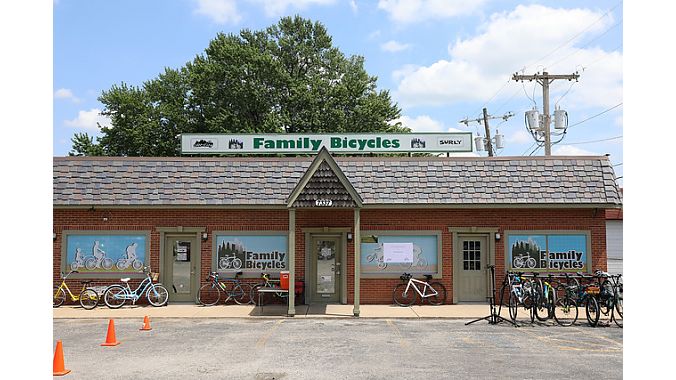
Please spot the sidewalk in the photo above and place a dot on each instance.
(276, 311)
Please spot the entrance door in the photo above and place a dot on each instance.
(472, 263)
(180, 266)
(325, 258)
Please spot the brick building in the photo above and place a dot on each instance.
(348, 227)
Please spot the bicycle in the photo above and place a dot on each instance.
(229, 261)
(565, 311)
(124, 263)
(116, 295)
(209, 294)
(545, 298)
(88, 297)
(403, 293)
(520, 293)
(609, 296)
(519, 261)
(267, 283)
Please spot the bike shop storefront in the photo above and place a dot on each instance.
(345, 228)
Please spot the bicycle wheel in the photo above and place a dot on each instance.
(157, 295)
(59, 296)
(619, 308)
(209, 294)
(565, 312)
(90, 263)
(591, 307)
(253, 296)
(115, 296)
(241, 293)
(440, 297)
(402, 297)
(89, 298)
(137, 265)
(545, 307)
(107, 263)
(513, 306)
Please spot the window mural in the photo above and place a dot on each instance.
(105, 253)
(422, 256)
(251, 253)
(548, 252)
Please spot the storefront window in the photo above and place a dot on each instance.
(548, 252)
(98, 252)
(251, 253)
(389, 254)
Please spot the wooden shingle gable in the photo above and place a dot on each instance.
(324, 185)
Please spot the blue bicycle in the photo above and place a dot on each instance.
(116, 295)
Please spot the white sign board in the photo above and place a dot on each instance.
(196, 143)
(398, 252)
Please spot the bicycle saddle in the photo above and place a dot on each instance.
(126, 279)
(86, 282)
(428, 277)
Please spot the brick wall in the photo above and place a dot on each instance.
(372, 290)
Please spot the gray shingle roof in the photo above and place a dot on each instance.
(165, 181)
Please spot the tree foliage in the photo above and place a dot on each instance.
(288, 78)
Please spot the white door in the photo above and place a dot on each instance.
(472, 275)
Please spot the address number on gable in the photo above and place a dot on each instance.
(323, 202)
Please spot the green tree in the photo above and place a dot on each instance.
(288, 78)
(83, 145)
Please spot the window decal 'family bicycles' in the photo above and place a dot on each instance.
(106, 253)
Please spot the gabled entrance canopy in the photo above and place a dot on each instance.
(324, 185)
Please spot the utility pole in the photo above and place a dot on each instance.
(545, 79)
(489, 144)
(484, 119)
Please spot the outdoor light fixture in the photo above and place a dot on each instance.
(349, 236)
(497, 236)
(205, 236)
(53, 235)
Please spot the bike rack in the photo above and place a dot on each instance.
(493, 318)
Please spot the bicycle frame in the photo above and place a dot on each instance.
(412, 283)
(135, 295)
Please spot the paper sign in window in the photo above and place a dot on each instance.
(398, 252)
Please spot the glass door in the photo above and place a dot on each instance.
(326, 260)
(180, 268)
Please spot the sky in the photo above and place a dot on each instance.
(442, 61)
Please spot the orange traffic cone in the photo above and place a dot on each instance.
(110, 338)
(146, 324)
(59, 367)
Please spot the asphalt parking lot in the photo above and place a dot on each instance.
(336, 349)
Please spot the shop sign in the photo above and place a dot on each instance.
(252, 253)
(338, 143)
(548, 252)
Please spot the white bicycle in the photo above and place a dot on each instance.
(406, 293)
(228, 262)
(520, 261)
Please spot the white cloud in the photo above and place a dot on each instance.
(520, 137)
(219, 11)
(508, 41)
(277, 8)
(88, 119)
(568, 150)
(353, 5)
(394, 46)
(411, 11)
(425, 123)
(65, 93)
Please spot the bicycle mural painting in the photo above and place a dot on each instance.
(106, 253)
(421, 255)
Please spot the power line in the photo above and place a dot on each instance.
(585, 45)
(577, 35)
(598, 114)
(595, 141)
